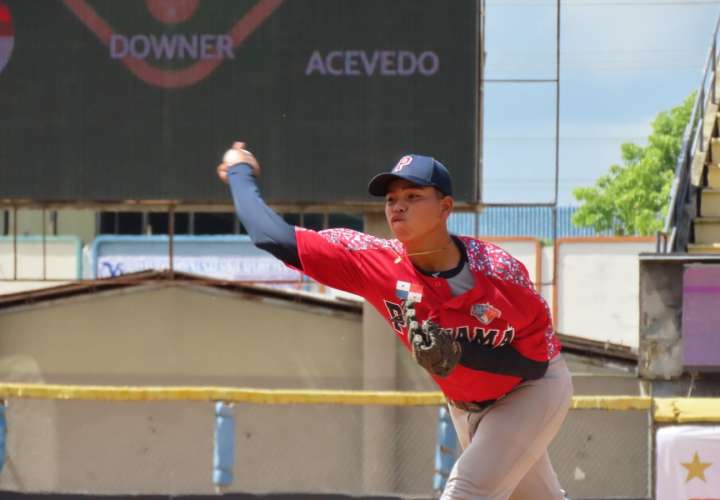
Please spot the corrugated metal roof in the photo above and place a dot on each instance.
(175, 278)
(520, 221)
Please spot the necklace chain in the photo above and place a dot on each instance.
(426, 252)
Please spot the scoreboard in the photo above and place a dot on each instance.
(106, 101)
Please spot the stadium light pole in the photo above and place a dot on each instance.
(557, 125)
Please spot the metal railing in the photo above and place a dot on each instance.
(669, 239)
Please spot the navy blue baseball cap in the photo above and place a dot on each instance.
(420, 170)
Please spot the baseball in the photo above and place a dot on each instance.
(232, 157)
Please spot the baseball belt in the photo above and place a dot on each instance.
(472, 406)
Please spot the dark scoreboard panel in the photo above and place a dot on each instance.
(102, 100)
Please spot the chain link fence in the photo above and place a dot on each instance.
(166, 447)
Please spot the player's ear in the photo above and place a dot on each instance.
(446, 205)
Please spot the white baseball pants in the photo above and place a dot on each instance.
(505, 446)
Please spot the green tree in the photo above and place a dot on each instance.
(633, 198)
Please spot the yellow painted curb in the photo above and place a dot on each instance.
(616, 403)
(665, 410)
(687, 410)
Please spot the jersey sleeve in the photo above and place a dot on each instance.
(330, 257)
(499, 264)
(267, 229)
(536, 341)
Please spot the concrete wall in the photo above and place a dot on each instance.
(173, 335)
(597, 289)
(31, 258)
(661, 299)
(23, 267)
(160, 335)
(178, 335)
(594, 294)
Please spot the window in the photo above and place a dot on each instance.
(209, 223)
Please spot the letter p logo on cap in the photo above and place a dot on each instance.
(404, 161)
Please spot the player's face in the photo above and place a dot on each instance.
(413, 211)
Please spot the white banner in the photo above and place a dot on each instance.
(221, 257)
(221, 267)
(688, 463)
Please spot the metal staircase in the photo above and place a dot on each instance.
(693, 220)
(707, 222)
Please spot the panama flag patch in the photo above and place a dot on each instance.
(408, 291)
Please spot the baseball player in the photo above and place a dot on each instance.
(464, 308)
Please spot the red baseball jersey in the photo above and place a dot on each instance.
(503, 308)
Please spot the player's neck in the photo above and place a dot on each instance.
(436, 252)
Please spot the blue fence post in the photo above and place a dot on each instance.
(224, 452)
(446, 450)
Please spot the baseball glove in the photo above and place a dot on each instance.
(432, 349)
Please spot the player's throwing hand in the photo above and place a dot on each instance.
(237, 154)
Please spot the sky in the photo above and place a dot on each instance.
(621, 63)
